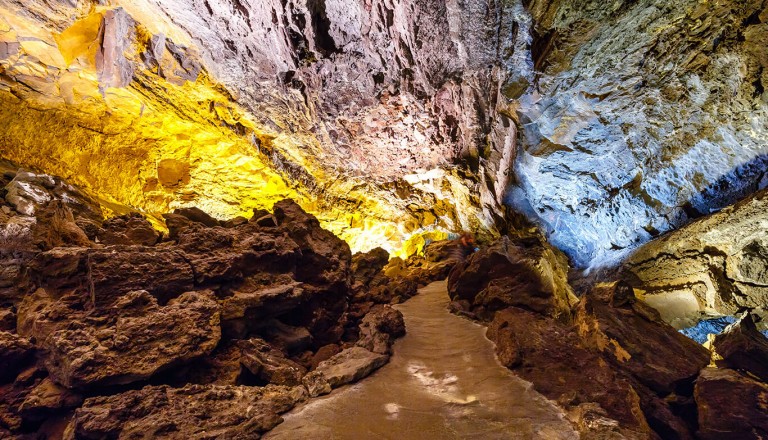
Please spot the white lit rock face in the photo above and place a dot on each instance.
(648, 113)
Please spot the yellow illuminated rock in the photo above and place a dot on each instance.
(109, 102)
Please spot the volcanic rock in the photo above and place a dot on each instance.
(193, 411)
(744, 348)
(128, 229)
(268, 364)
(15, 351)
(523, 272)
(730, 405)
(633, 336)
(350, 366)
(138, 340)
(379, 329)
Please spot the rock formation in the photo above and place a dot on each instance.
(110, 326)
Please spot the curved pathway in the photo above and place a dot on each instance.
(443, 382)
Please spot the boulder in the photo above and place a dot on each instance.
(128, 229)
(367, 266)
(350, 366)
(744, 348)
(250, 306)
(193, 411)
(379, 329)
(730, 406)
(48, 397)
(524, 272)
(15, 352)
(197, 215)
(140, 339)
(269, 364)
(316, 384)
(635, 338)
(549, 353)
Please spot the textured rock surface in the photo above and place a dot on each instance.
(350, 366)
(731, 405)
(644, 114)
(743, 347)
(715, 266)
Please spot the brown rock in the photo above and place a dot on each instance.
(549, 354)
(197, 215)
(523, 272)
(15, 352)
(316, 384)
(7, 320)
(247, 308)
(48, 397)
(366, 266)
(268, 364)
(379, 329)
(141, 340)
(128, 229)
(743, 347)
(635, 339)
(731, 406)
(194, 411)
(350, 366)
(323, 353)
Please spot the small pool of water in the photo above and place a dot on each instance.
(443, 382)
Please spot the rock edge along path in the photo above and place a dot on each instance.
(443, 382)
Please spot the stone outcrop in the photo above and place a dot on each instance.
(607, 358)
(713, 267)
(229, 319)
(742, 347)
(730, 405)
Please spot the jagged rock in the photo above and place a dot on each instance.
(247, 308)
(194, 411)
(550, 354)
(106, 274)
(350, 366)
(730, 406)
(289, 339)
(379, 329)
(714, 266)
(633, 337)
(743, 347)
(268, 364)
(197, 215)
(48, 397)
(7, 320)
(140, 339)
(316, 384)
(522, 272)
(128, 229)
(30, 192)
(367, 266)
(15, 351)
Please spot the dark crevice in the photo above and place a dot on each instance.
(321, 25)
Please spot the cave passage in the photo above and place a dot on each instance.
(443, 381)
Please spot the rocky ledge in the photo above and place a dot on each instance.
(113, 329)
(609, 359)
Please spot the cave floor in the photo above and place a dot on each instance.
(443, 382)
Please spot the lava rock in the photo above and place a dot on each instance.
(744, 348)
(140, 339)
(269, 364)
(350, 366)
(193, 411)
(379, 329)
(633, 336)
(15, 352)
(197, 215)
(128, 229)
(730, 406)
(523, 272)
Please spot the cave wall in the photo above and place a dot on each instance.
(606, 125)
(645, 114)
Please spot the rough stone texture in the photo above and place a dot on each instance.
(15, 351)
(141, 340)
(633, 336)
(743, 347)
(128, 229)
(643, 115)
(731, 405)
(269, 364)
(379, 329)
(194, 411)
(350, 366)
(715, 266)
(523, 272)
